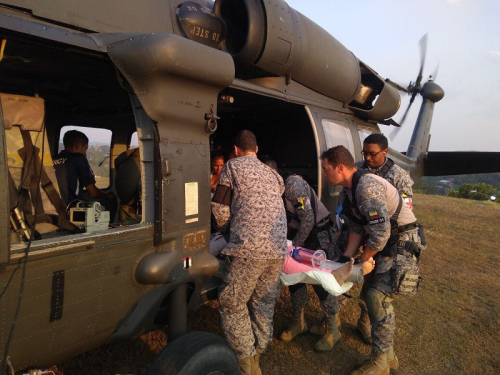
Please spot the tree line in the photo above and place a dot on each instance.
(475, 186)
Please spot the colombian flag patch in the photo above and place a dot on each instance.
(374, 218)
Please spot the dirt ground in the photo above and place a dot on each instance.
(451, 326)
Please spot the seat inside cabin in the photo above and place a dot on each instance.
(35, 203)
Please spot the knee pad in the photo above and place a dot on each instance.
(379, 305)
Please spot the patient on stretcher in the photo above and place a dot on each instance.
(337, 279)
(341, 271)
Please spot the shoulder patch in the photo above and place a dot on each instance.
(303, 203)
(376, 221)
(375, 218)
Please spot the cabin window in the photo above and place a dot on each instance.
(98, 153)
(134, 141)
(337, 133)
(363, 132)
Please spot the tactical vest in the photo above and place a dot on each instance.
(351, 210)
(311, 241)
(383, 171)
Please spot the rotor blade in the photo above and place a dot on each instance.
(434, 75)
(389, 122)
(401, 122)
(399, 87)
(423, 53)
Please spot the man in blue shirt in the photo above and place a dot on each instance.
(74, 174)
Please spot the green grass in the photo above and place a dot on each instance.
(451, 326)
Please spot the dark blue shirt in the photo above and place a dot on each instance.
(73, 174)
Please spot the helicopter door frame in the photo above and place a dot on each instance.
(332, 129)
(4, 202)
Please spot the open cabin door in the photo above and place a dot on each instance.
(177, 82)
(333, 129)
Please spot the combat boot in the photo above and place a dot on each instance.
(255, 365)
(298, 327)
(392, 361)
(377, 365)
(319, 329)
(364, 326)
(245, 366)
(330, 338)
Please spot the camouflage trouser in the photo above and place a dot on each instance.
(382, 317)
(298, 293)
(378, 296)
(246, 304)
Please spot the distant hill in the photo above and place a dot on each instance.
(442, 184)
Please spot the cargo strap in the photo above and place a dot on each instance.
(350, 208)
(29, 185)
(390, 247)
(32, 164)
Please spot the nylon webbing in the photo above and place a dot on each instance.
(29, 191)
(383, 171)
(46, 183)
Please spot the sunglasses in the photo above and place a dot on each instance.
(372, 154)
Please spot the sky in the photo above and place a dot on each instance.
(463, 46)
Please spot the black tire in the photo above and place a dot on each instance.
(196, 353)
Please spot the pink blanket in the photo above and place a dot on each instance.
(291, 266)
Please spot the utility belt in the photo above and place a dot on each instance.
(392, 247)
(407, 227)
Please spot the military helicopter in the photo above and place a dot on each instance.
(181, 77)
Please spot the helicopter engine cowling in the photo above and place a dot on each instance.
(277, 39)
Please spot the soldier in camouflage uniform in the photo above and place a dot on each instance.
(249, 196)
(375, 149)
(378, 219)
(310, 227)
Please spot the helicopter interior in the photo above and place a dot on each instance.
(282, 129)
(86, 91)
